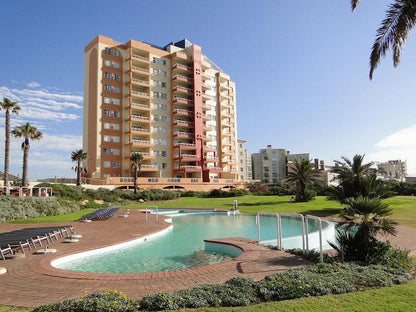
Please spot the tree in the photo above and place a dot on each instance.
(136, 159)
(14, 107)
(351, 176)
(302, 176)
(27, 132)
(366, 218)
(79, 156)
(393, 32)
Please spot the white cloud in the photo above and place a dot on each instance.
(33, 84)
(398, 145)
(65, 143)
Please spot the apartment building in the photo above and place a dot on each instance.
(244, 162)
(392, 170)
(171, 104)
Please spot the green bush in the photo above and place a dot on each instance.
(12, 208)
(66, 191)
(308, 196)
(101, 301)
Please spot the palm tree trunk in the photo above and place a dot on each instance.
(7, 149)
(25, 162)
(135, 180)
(79, 173)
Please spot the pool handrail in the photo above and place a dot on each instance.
(303, 226)
(278, 226)
(235, 205)
(152, 207)
(307, 217)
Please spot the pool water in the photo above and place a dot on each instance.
(183, 246)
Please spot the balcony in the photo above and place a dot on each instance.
(182, 134)
(139, 57)
(149, 168)
(139, 69)
(206, 96)
(206, 76)
(135, 117)
(146, 155)
(183, 79)
(186, 157)
(140, 130)
(180, 68)
(184, 146)
(139, 94)
(228, 152)
(184, 112)
(208, 128)
(227, 133)
(182, 90)
(180, 100)
(140, 106)
(214, 169)
(182, 57)
(183, 123)
(205, 86)
(188, 169)
(224, 95)
(208, 117)
(209, 148)
(224, 86)
(208, 138)
(140, 143)
(139, 82)
(211, 159)
(225, 113)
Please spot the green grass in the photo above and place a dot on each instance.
(60, 218)
(404, 209)
(253, 204)
(396, 298)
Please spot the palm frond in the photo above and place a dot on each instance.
(354, 4)
(393, 32)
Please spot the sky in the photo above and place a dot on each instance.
(300, 67)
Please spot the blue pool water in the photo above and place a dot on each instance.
(183, 246)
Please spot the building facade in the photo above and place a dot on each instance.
(244, 162)
(269, 165)
(171, 104)
(392, 170)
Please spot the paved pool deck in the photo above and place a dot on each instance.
(32, 281)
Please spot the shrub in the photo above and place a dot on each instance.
(308, 196)
(101, 301)
(66, 191)
(12, 208)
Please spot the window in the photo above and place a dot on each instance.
(164, 62)
(107, 75)
(107, 62)
(155, 60)
(116, 139)
(163, 130)
(163, 142)
(117, 77)
(242, 169)
(116, 52)
(106, 151)
(164, 165)
(155, 71)
(115, 164)
(163, 84)
(164, 153)
(155, 83)
(163, 96)
(116, 65)
(163, 118)
(116, 89)
(116, 127)
(116, 114)
(115, 151)
(163, 73)
(116, 101)
(156, 117)
(107, 87)
(155, 94)
(107, 50)
(106, 138)
(107, 125)
(106, 113)
(107, 100)
(106, 164)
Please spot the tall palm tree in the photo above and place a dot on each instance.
(393, 32)
(14, 107)
(302, 176)
(79, 156)
(27, 132)
(136, 159)
(351, 176)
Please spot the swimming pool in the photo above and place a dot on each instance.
(182, 245)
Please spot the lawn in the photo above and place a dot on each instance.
(404, 209)
(396, 298)
(60, 218)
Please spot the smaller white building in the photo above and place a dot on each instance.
(392, 170)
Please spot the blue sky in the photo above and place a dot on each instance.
(301, 69)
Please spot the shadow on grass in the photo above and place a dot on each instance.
(270, 203)
(326, 212)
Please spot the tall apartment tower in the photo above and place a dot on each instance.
(171, 104)
(244, 162)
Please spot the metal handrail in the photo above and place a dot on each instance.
(153, 207)
(278, 224)
(307, 217)
(303, 225)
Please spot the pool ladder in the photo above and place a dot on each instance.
(149, 210)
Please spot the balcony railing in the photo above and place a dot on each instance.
(149, 167)
(140, 57)
(140, 81)
(183, 88)
(140, 93)
(140, 68)
(180, 110)
(183, 122)
(140, 129)
(142, 153)
(182, 77)
(140, 117)
(191, 167)
(140, 105)
(188, 134)
(140, 141)
(177, 98)
(184, 144)
(188, 156)
(177, 65)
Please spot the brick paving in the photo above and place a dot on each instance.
(31, 281)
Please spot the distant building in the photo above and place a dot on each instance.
(392, 170)
(270, 165)
(244, 162)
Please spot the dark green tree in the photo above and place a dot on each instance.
(79, 156)
(302, 176)
(136, 163)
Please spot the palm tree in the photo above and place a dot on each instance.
(79, 156)
(302, 176)
(351, 176)
(393, 32)
(136, 159)
(14, 107)
(367, 217)
(27, 132)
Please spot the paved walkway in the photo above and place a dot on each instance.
(31, 281)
